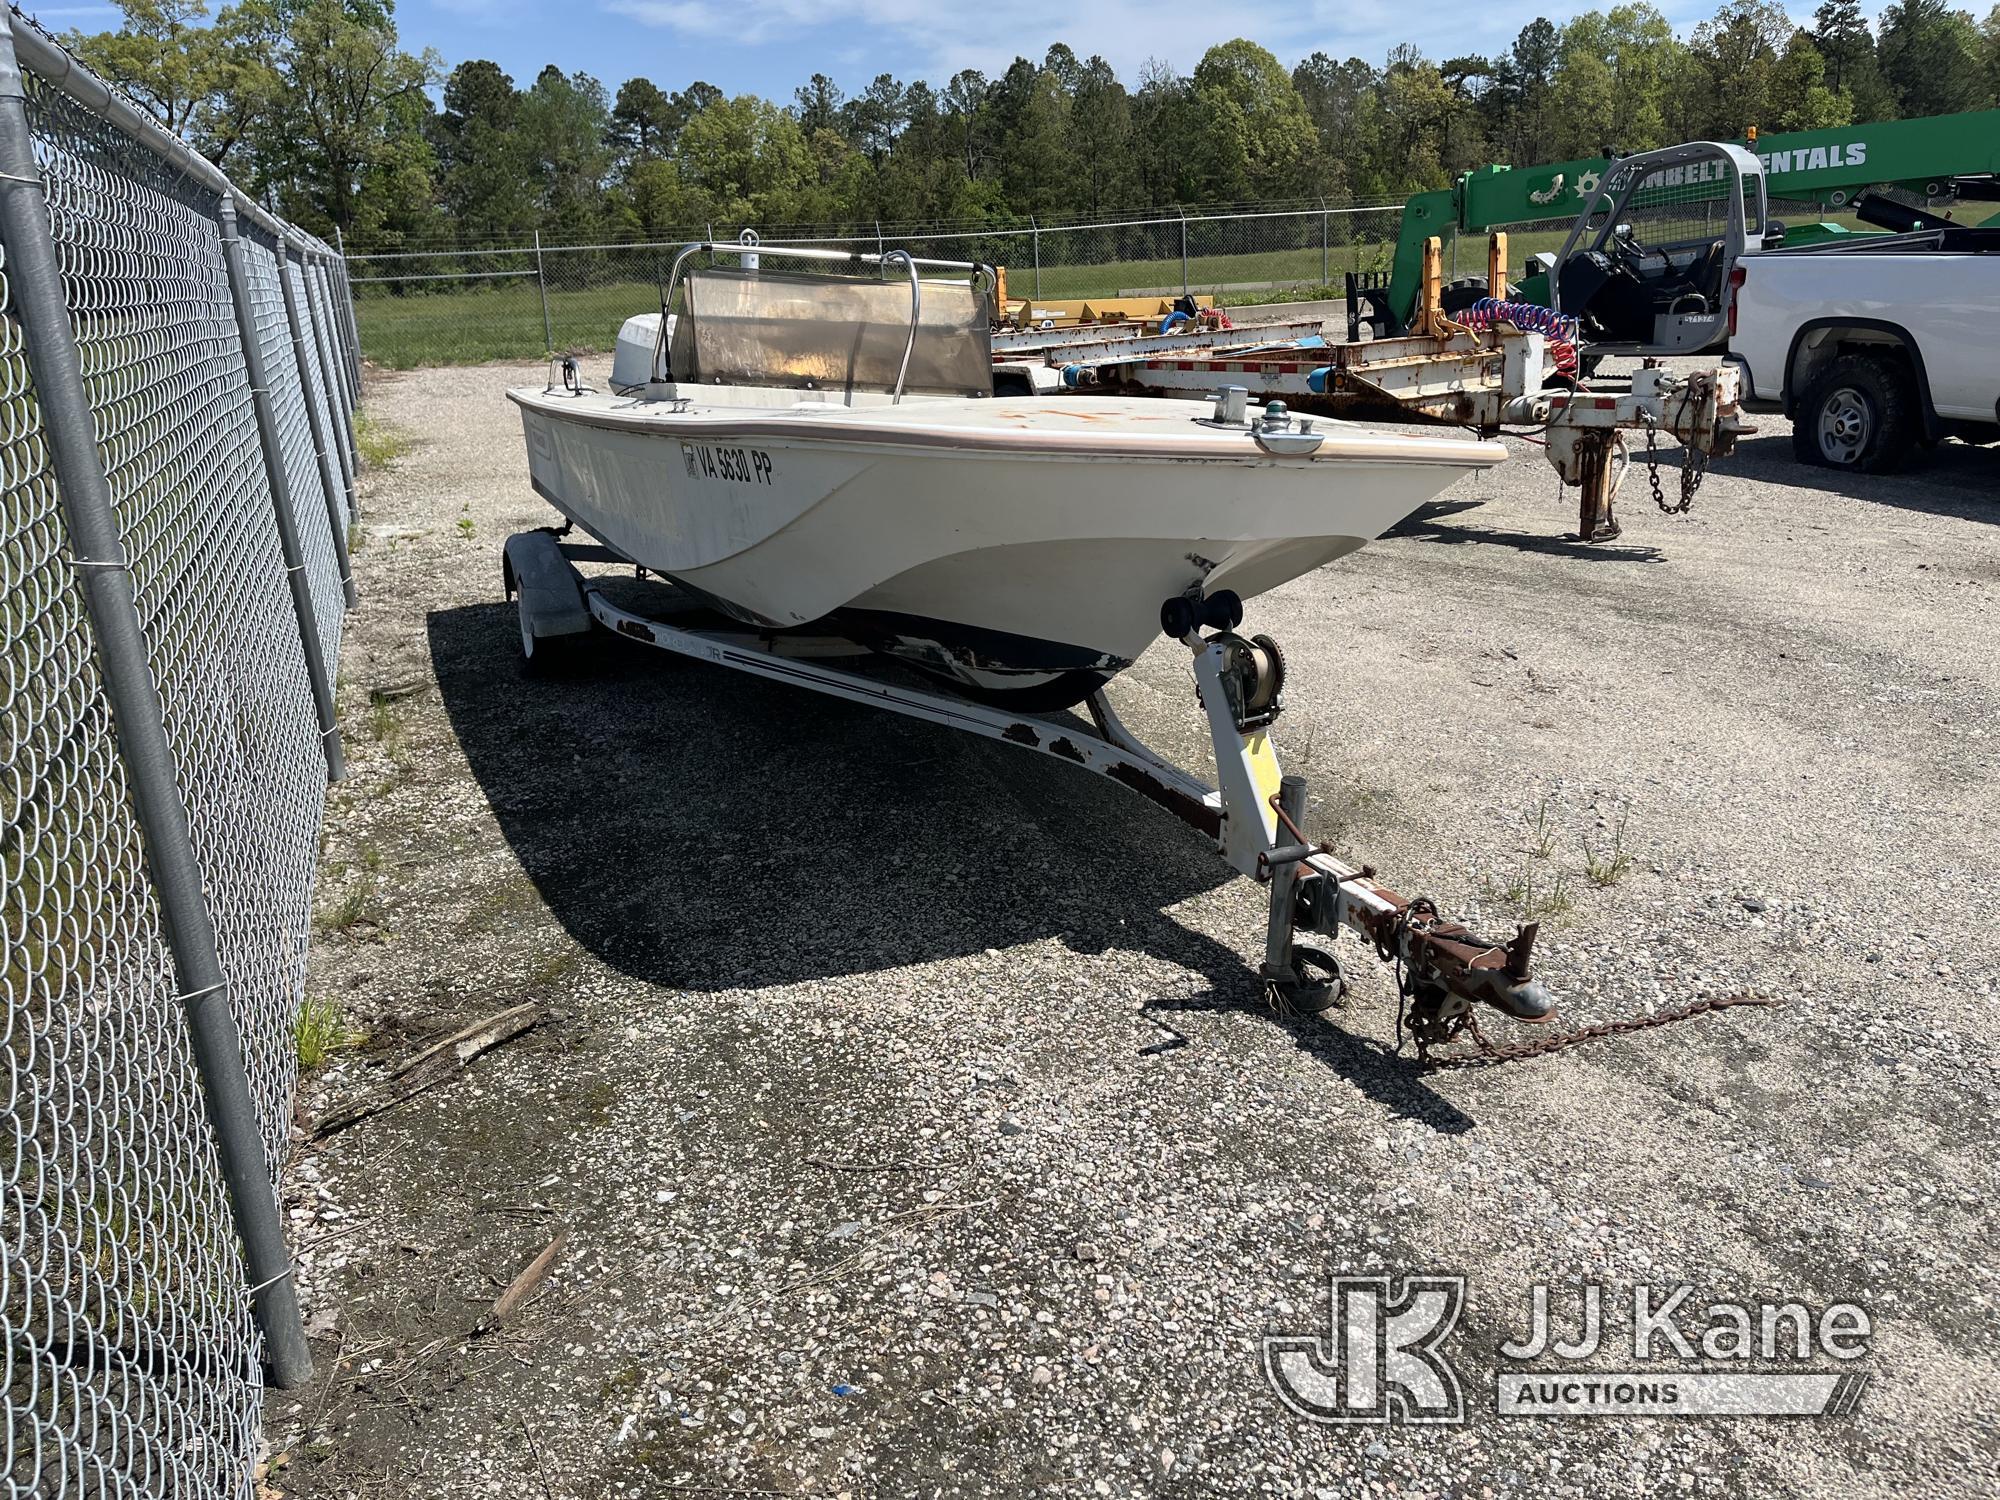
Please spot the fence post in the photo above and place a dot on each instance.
(331, 488)
(1325, 247)
(1035, 235)
(97, 552)
(350, 361)
(281, 491)
(542, 281)
(349, 445)
(1185, 290)
(319, 295)
(353, 336)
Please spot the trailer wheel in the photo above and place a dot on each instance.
(1859, 413)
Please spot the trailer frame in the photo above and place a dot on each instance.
(1254, 816)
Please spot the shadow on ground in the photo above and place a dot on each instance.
(1433, 523)
(703, 829)
(1952, 479)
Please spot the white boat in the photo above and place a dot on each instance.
(825, 453)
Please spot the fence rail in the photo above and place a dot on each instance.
(461, 306)
(177, 378)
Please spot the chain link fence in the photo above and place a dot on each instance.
(453, 305)
(177, 379)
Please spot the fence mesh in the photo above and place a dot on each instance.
(133, 1365)
(457, 306)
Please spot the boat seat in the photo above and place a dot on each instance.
(829, 333)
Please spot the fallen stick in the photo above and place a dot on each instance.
(432, 1066)
(524, 1286)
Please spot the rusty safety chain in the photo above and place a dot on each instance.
(1694, 464)
(1488, 1053)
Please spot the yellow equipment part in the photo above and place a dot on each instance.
(1031, 312)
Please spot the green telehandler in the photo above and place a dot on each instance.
(1645, 267)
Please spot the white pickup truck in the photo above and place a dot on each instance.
(1873, 345)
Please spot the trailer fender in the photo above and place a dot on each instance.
(551, 595)
(1818, 340)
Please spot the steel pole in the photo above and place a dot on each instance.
(324, 343)
(281, 492)
(350, 447)
(34, 280)
(542, 281)
(1035, 235)
(332, 489)
(350, 362)
(1185, 289)
(348, 313)
(1325, 247)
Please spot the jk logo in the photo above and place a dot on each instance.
(1380, 1360)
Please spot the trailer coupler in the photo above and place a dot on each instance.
(1443, 968)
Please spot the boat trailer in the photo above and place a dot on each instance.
(1254, 816)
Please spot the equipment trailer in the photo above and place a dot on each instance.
(1488, 367)
(1254, 816)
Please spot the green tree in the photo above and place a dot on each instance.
(209, 84)
(346, 114)
(743, 161)
(817, 102)
(1344, 103)
(482, 161)
(1930, 56)
(875, 117)
(1256, 136)
(1100, 135)
(644, 118)
(565, 127)
(1798, 86)
(1741, 46)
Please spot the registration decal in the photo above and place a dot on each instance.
(739, 465)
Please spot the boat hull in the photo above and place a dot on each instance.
(999, 562)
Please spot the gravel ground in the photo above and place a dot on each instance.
(908, 1105)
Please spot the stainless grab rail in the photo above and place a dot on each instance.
(814, 252)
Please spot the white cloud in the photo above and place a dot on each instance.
(942, 37)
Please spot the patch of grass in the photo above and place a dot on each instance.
(381, 443)
(1612, 864)
(437, 324)
(1530, 899)
(465, 526)
(371, 857)
(1541, 830)
(321, 1031)
(356, 909)
(387, 729)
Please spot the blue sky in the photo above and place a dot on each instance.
(770, 46)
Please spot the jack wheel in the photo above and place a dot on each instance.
(1322, 984)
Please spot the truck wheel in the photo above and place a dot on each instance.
(1859, 413)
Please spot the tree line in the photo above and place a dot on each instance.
(315, 106)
